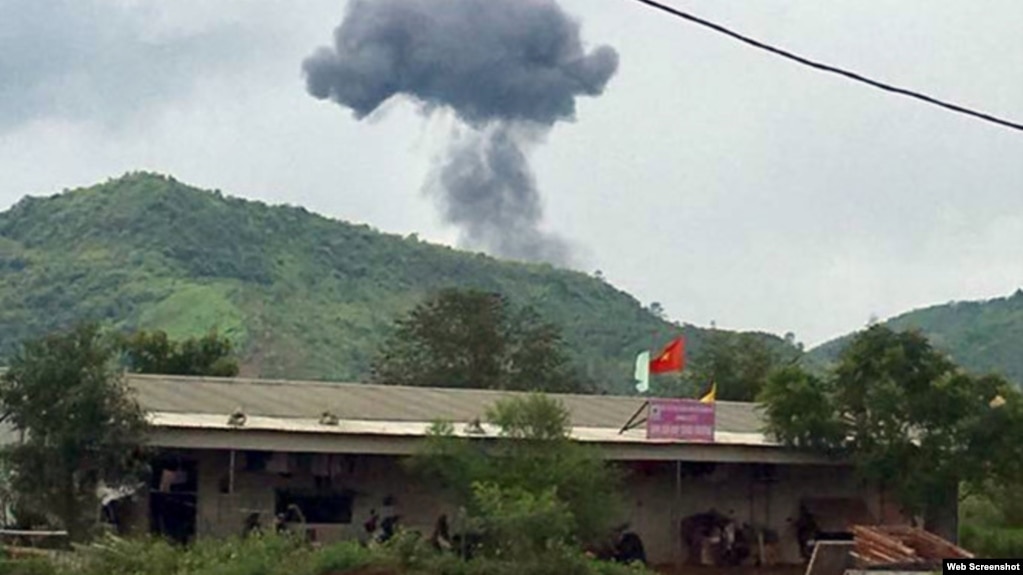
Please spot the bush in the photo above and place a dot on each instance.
(518, 523)
(560, 561)
(991, 521)
(340, 557)
(27, 567)
(261, 555)
(269, 555)
(992, 542)
(535, 469)
(408, 551)
(134, 556)
(406, 554)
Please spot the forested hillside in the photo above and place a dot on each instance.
(981, 336)
(302, 296)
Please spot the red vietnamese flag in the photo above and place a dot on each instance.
(672, 358)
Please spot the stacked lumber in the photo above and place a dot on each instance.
(901, 546)
(927, 544)
(873, 547)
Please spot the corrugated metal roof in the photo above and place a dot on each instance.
(367, 402)
(413, 429)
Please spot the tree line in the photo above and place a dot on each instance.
(466, 338)
(540, 499)
(79, 426)
(906, 416)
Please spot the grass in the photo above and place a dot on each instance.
(192, 309)
(992, 542)
(991, 522)
(283, 555)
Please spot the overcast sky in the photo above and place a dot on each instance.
(725, 183)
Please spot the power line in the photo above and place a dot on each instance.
(826, 68)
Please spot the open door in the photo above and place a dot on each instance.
(173, 499)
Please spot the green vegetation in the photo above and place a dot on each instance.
(146, 352)
(907, 417)
(81, 427)
(738, 363)
(471, 338)
(980, 336)
(286, 555)
(991, 522)
(300, 295)
(196, 305)
(538, 492)
(534, 499)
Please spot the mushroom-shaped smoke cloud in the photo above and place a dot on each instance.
(509, 69)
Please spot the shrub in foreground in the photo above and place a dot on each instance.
(27, 567)
(406, 554)
(993, 542)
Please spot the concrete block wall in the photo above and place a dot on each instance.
(370, 478)
(651, 503)
(654, 506)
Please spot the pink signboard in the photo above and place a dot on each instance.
(682, 419)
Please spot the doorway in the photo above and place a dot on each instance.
(173, 499)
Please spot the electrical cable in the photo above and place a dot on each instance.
(827, 68)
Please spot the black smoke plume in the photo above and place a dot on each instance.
(509, 69)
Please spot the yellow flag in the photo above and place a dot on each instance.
(709, 397)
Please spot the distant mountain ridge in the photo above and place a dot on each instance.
(303, 296)
(981, 336)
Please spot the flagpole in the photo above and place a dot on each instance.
(677, 519)
(653, 346)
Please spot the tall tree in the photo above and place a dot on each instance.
(154, 352)
(79, 422)
(799, 410)
(738, 363)
(475, 339)
(535, 476)
(906, 416)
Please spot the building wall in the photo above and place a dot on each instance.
(656, 498)
(222, 510)
(656, 501)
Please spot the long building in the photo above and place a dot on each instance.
(235, 452)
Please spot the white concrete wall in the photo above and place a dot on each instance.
(653, 504)
(372, 478)
(7, 437)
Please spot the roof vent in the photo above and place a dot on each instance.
(475, 428)
(328, 418)
(237, 419)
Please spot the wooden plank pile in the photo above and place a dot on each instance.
(902, 547)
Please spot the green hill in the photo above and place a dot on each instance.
(303, 296)
(981, 336)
